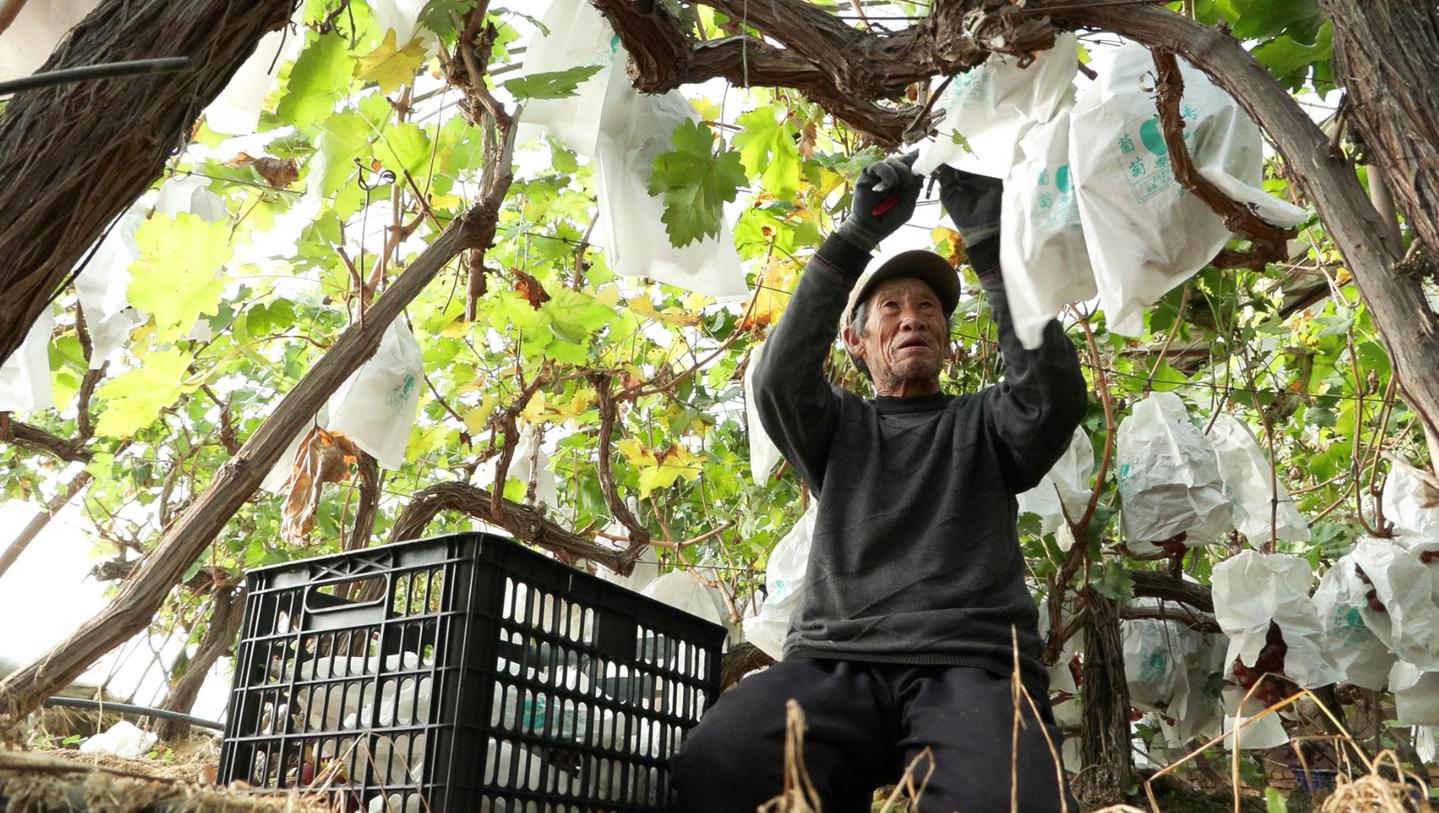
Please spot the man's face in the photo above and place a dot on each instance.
(904, 336)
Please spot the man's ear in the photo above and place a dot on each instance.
(852, 342)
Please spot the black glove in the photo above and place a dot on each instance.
(884, 198)
(972, 202)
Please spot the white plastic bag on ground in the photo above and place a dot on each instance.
(1412, 504)
(1168, 476)
(989, 109)
(1356, 651)
(1247, 482)
(763, 454)
(1146, 234)
(579, 35)
(123, 739)
(634, 128)
(1252, 589)
(25, 375)
(1065, 488)
(1416, 694)
(1041, 242)
(1405, 587)
(784, 586)
(375, 407)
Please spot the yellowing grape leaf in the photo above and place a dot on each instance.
(133, 399)
(635, 452)
(644, 306)
(771, 294)
(177, 277)
(391, 67)
(674, 463)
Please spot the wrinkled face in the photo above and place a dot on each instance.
(903, 337)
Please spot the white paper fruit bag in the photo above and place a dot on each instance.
(1041, 241)
(1358, 654)
(1402, 610)
(1065, 488)
(1252, 590)
(578, 35)
(25, 375)
(634, 128)
(763, 454)
(1248, 483)
(1169, 480)
(1145, 233)
(375, 407)
(1412, 504)
(784, 586)
(1416, 694)
(989, 108)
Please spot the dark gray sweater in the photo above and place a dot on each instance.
(915, 556)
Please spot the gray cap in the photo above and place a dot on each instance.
(932, 269)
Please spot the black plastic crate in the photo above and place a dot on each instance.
(462, 673)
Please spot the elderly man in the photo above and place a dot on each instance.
(904, 640)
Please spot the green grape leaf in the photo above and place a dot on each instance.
(343, 136)
(134, 398)
(319, 77)
(177, 279)
(575, 315)
(767, 147)
(390, 67)
(1261, 19)
(695, 183)
(551, 84)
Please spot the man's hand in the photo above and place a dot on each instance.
(972, 202)
(884, 198)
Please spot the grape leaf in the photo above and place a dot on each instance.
(391, 67)
(177, 276)
(342, 137)
(319, 77)
(1261, 19)
(695, 183)
(551, 84)
(574, 315)
(134, 398)
(767, 147)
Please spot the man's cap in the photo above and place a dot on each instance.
(926, 266)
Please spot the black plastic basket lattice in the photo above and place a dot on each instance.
(462, 673)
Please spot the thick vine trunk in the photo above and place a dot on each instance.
(1387, 55)
(226, 609)
(74, 156)
(1104, 727)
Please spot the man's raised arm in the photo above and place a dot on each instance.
(1043, 397)
(797, 406)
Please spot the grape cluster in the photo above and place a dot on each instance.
(1174, 546)
(1270, 662)
(1373, 595)
(1076, 668)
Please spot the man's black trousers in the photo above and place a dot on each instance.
(864, 722)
